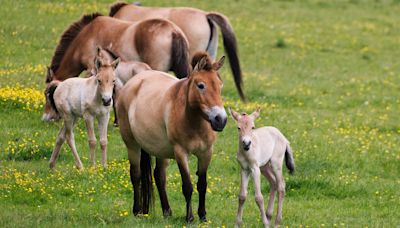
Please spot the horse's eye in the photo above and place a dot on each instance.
(253, 127)
(238, 128)
(201, 86)
(113, 81)
(98, 81)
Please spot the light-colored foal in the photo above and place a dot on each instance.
(89, 98)
(261, 151)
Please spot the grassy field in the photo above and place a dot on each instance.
(327, 73)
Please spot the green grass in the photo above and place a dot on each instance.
(324, 72)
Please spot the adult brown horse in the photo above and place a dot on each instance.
(198, 26)
(169, 118)
(157, 42)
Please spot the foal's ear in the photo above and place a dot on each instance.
(256, 113)
(217, 65)
(234, 114)
(50, 75)
(97, 63)
(200, 64)
(115, 63)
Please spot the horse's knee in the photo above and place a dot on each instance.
(103, 143)
(92, 142)
(259, 199)
(242, 199)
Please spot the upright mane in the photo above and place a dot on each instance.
(116, 7)
(206, 65)
(67, 37)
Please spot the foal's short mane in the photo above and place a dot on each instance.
(116, 7)
(208, 66)
(67, 37)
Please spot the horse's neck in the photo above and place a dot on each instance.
(92, 92)
(67, 70)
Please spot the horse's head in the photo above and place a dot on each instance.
(204, 92)
(49, 113)
(105, 76)
(245, 125)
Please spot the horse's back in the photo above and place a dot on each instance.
(272, 141)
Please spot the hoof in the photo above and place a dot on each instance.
(116, 125)
(52, 165)
(190, 219)
(167, 213)
(203, 218)
(136, 211)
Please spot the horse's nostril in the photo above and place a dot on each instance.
(218, 118)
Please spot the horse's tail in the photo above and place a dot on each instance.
(146, 179)
(115, 8)
(50, 94)
(230, 45)
(289, 159)
(180, 55)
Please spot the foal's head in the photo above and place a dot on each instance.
(245, 124)
(204, 92)
(105, 76)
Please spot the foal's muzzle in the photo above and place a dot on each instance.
(246, 145)
(106, 101)
(217, 117)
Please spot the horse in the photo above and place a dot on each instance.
(199, 27)
(261, 150)
(157, 42)
(168, 118)
(89, 98)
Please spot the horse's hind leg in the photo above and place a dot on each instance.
(69, 124)
(280, 184)
(89, 121)
(160, 178)
(267, 172)
(60, 140)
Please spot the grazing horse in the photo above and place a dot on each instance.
(199, 27)
(261, 150)
(89, 98)
(157, 42)
(168, 118)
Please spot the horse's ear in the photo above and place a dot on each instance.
(97, 63)
(234, 114)
(200, 64)
(217, 65)
(115, 63)
(256, 113)
(50, 75)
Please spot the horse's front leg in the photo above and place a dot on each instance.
(89, 121)
(256, 174)
(181, 157)
(202, 166)
(103, 124)
(244, 181)
(160, 178)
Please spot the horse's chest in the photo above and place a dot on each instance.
(246, 159)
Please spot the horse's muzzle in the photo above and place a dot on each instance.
(106, 102)
(246, 145)
(218, 118)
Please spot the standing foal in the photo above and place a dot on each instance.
(88, 98)
(261, 151)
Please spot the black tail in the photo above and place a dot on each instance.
(50, 94)
(146, 182)
(289, 159)
(116, 7)
(230, 45)
(180, 56)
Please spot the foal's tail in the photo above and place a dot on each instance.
(230, 45)
(50, 94)
(180, 55)
(289, 159)
(146, 179)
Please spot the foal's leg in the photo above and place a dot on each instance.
(267, 172)
(160, 178)
(89, 121)
(69, 125)
(60, 140)
(103, 124)
(244, 181)
(280, 183)
(258, 195)
(202, 166)
(181, 157)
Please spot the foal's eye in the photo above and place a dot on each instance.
(253, 127)
(201, 86)
(98, 81)
(113, 81)
(238, 128)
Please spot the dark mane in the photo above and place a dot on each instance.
(111, 53)
(116, 7)
(67, 37)
(200, 55)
